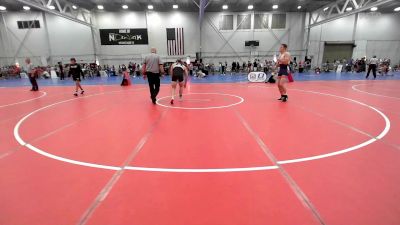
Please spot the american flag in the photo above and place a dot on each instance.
(175, 43)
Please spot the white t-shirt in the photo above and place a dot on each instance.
(29, 68)
(373, 61)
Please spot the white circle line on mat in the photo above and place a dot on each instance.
(241, 100)
(204, 170)
(354, 87)
(28, 100)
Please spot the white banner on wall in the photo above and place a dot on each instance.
(257, 77)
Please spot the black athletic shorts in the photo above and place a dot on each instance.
(283, 70)
(176, 78)
(76, 78)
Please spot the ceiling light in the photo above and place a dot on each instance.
(275, 6)
(250, 7)
(2, 8)
(225, 7)
(175, 6)
(326, 8)
(26, 7)
(100, 7)
(299, 7)
(125, 7)
(373, 9)
(349, 9)
(52, 7)
(397, 9)
(150, 7)
(75, 7)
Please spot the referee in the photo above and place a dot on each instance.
(373, 62)
(31, 74)
(152, 69)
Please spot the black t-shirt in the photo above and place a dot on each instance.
(75, 70)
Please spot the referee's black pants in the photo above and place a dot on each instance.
(33, 81)
(373, 68)
(154, 84)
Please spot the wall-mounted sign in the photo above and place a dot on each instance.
(124, 37)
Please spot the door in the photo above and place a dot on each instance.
(337, 52)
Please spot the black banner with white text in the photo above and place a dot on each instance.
(124, 37)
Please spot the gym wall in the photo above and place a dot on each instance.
(33, 41)
(374, 34)
(61, 40)
(156, 24)
(215, 47)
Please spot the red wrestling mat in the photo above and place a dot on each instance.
(226, 154)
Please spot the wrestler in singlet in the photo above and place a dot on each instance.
(283, 68)
(179, 74)
(283, 61)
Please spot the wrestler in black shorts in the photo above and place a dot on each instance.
(76, 72)
(178, 72)
(177, 78)
(283, 70)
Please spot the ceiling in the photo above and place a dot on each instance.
(189, 5)
(214, 5)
